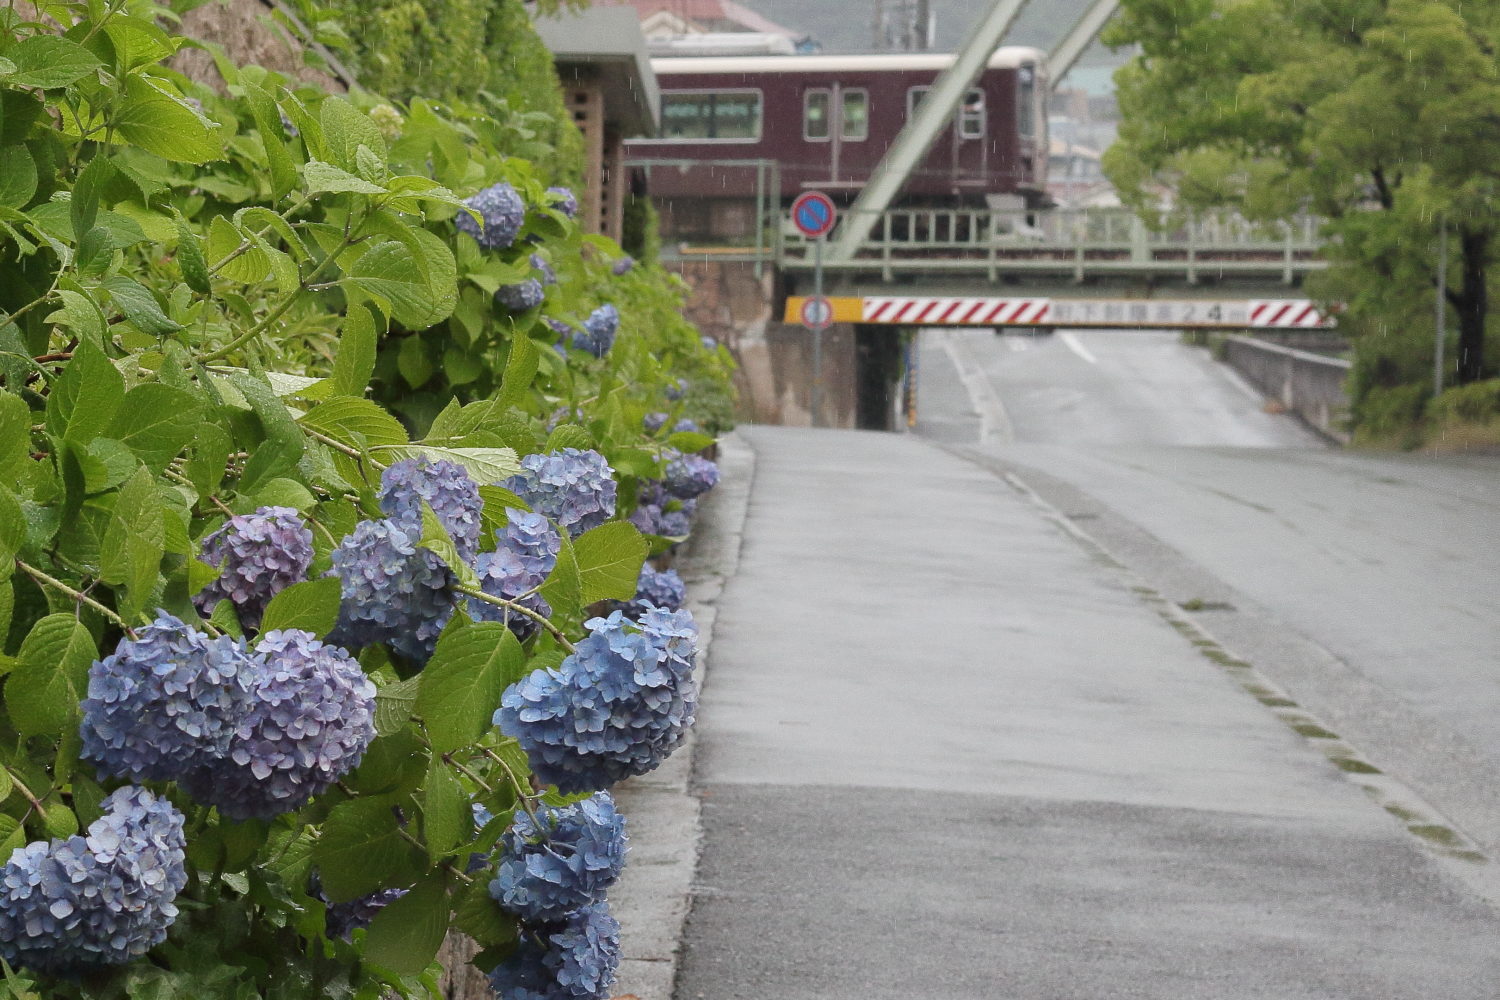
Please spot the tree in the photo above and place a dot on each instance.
(1383, 117)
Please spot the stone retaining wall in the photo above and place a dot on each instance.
(1309, 385)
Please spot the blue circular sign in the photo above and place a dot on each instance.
(813, 214)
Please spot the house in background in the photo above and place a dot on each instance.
(666, 21)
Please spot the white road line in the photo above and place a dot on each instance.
(994, 422)
(1077, 348)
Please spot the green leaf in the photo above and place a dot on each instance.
(563, 588)
(354, 422)
(484, 465)
(436, 538)
(325, 178)
(609, 561)
(166, 126)
(50, 676)
(394, 704)
(268, 122)
(131, 550)
(156, 422)
(49, 61)
(688, 442)
(206, 466)
(404, 937)
(362, 849)
(413, 363)
(447, 819)
(81, 314)
(7, 608)
(84, 401)
(390, 273)
(462, 683)
(345, 129)
(12, 536)
(355, 361)
(224, 240)
(15, 436)
(312, 606)
(18, 176)
(284, 443)
(520, 371)
(476, 914)
(285, 493)
(140, 307)
(191, 260)
(570, 436)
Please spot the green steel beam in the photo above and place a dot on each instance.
(933, 115)
(1068, 51)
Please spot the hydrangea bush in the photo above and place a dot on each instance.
(287, 522)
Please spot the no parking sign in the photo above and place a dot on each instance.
(813, 214)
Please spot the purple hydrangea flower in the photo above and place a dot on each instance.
(524, 556)
(168, 697)
(448, 490)
(614, 708)
(258, 556)
(308, 723)
(575, 959)
(654, 422)
(99, 899)
(622, 266)
(392, 591)
(563, 200)
(520, 297)
(564, 859)
(574, 488)
(539, 263)
(598, 333)
(690, 476)
(709, 343)
(676, 389)
(502, 210)
(662, 589)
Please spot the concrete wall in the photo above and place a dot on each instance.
(1309, 385)
(734, 306)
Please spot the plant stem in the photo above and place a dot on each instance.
(29, 795)
(522, 792)
(77, 595)
(520, 609)
(468, 773)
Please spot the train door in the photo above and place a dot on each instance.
(837, 118)
(965, 156)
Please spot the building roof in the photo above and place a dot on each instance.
(605, 44)
(710, 15)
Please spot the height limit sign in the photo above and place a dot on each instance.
(817, 312)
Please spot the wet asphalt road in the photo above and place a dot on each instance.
(947, 751)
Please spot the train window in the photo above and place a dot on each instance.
(1026, 95)
(816, 105)
(854, 117)
(696, 115)
(970, 114)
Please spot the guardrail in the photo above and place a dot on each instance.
(1079, 243)
(1310, 385)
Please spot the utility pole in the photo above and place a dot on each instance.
(1440, 333)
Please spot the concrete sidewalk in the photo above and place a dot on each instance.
(945, 750)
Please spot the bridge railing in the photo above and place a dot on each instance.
(1080, 242)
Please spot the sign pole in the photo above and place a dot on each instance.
(817, 373)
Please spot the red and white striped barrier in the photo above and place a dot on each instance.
(1288, 314)
(955, 311)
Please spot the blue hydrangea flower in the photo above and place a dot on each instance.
(689, 476)
(258, 555)
(448, 490)
(598, 333)
(676, 389)
(622, 266)
(709, 343)
(311, 717)
(654, 422)
(343, 919)
(574, 488)
(100, 899)
(392, 591)
(563, 200)
(565, 859)
(170, 696)
(575, 959)
(525, 554)
(522, 296)
(539, 263)
(614, 708)
(677, 523)
(503, 212)
(662, 589)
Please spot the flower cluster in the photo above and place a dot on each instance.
(539, 263)
(258, 555)
(598, 333)
(616, 707)
(622, 266)
(560, 860)
(524, 295)
(447, 489)
(253, 732)
(690, 476)
(563, 200)
(309, 721)
(502, 210)
(654, 422)
(392, 591)
(576, 958)
(659, 513)
(525, 553)
(574, 488)
(103, 898)
(661, 589)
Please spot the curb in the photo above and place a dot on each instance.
(652, 897)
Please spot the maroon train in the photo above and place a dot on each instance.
(826, 121)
